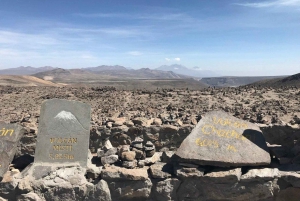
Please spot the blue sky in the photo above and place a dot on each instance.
(230, 37)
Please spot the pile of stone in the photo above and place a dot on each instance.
(131, 156)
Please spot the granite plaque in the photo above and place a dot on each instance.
(64, 132)
(10, 135)
(220, 139)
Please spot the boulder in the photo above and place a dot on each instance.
(222, 140)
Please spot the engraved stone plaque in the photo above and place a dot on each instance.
(10, 135)
(220, 139)
(64, 132)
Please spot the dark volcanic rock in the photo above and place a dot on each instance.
(9, 139)
(222, 140)
(64, 129)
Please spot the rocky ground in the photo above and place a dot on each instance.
(156, 107)
(162, 118)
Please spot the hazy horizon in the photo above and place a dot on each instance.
(230, 38)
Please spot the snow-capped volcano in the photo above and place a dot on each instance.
(64, 115)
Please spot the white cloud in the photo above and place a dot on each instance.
(172, 59)
(135, 53)
(111, 31)
(137, 16)
(274, 3)
(9, 37)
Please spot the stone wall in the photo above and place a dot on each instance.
(161, 181)
(165, 137)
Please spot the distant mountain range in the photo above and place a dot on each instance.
(105, 73)
(175, 71)
(193, 72)
(28, 70)
(178, 71)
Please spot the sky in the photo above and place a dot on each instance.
(229, 37)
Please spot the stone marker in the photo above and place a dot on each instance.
(10, 135)
(64, 132)
(222, 140)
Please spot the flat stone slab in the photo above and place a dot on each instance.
(64, 132)
(10, 135)
(220, 139)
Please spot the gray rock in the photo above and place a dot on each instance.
(166, 190)
(222, 140)
(150, 153)
(109, 159)
(161, 170)
(149, 144)
(291, 177)
(64, 132)
(138, 145)
(260, 174)
(61, 183)
(92, 171)
(129, 164)
(155, 158)
(8, 186)
(111, 151)
(100, 153)
(205, 188)
(141, 163)
(130, 190)
(100, 192)
(29, 197)
(10, 135)
(114, 173)
(186, 172)
(107, 145)
(142, 121)
(224, 175)
(289, 194)
(149, 148)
